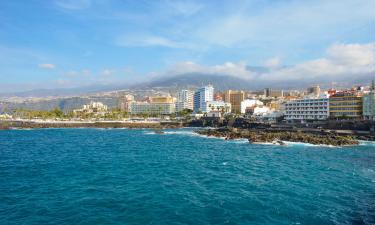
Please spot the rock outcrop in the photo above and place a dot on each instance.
(278, 137)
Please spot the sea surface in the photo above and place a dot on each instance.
(123, 176)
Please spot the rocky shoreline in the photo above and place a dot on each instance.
(33, 125)
(280, 137)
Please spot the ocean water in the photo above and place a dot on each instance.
(120, 176)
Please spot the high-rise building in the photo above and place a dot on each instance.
(369, 103)
(125, 102)
(203, 94)
(185, 100)
(234, 98)
(346, 104)
(314, 90)
(268, 92)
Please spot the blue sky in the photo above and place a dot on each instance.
(68, 43)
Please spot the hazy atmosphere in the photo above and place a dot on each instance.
(73, 43)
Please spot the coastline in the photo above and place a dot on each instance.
(30, 124)
(280, 137)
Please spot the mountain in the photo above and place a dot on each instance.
(220, 82)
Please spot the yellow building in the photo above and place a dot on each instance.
(161, 99)
(234, 98)
(346, 104)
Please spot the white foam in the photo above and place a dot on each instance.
(367, 143)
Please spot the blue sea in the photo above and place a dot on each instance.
(123, 176)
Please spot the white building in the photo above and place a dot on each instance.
(249, 103)
(369, 105)
(203, 95)
(93, 107)
(185, 100)
(222, 106)
(261, 110)
(307, 109)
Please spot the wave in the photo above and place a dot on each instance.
(367, 143)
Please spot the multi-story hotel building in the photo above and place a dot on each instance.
(234, 98)
(307, 109)
(125, 102)
(221, 106)
(203, 95)
(369, 106)
(156, 106)
(346, 104)
(185, 100)
(268, 92)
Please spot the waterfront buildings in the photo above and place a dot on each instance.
(203, 95)
(125, 102)
(155, 106)
(247, 104)
(224, 107)
(97, 108)
(234, 98)
(185, 100)
(369, 106)
(369, 103)
(346, 105)
(307, 109)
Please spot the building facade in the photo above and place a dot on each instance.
(268, 92)
(369, 106)
(185, 100)
(346, 105)
(154, 109)
(125, 102)
(307, 109)
(224, 107)
(203, 95)
(249, 104)
(234, 98)
(314, 90)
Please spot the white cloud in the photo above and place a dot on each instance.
(107, 72)
(48, 66)
(73, 4)
(185, 8)
(341, 62)
(149, 41)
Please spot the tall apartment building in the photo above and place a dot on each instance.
(369, 104)
(125, 101)
(346, 104)
(314, 90)
(234, 98)
(202, 95)
(185, 100)
(268, 92)
(307, 109)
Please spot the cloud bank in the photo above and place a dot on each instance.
(341, 62)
